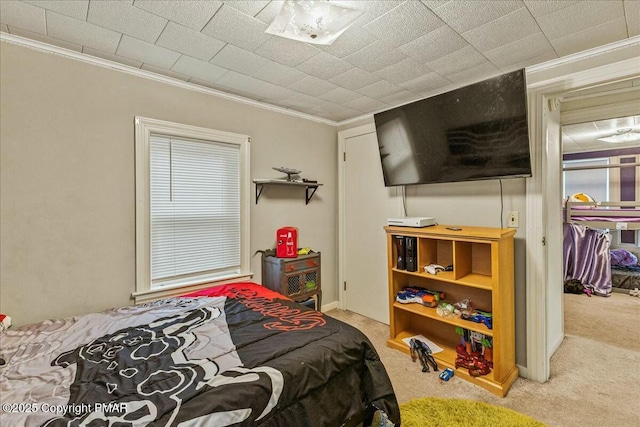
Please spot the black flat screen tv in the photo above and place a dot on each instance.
(475, 132)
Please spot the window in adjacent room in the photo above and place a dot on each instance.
(192, 207)
(591, 180)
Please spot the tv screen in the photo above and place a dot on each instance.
(471, 133)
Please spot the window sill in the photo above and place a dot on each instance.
(175, 290)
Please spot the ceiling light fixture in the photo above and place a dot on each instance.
(317, 22)
(622, 135)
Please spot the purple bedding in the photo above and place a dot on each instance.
(586, 258)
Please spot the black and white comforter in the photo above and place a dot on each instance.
(240, 355)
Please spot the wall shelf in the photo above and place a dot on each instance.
(310, 187)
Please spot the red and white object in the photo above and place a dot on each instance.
(287, 242)
(5, 322)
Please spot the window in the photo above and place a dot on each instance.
(590, 180)
(192, 207)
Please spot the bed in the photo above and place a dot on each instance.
(230, 355)
(604, 215)
(587, 244)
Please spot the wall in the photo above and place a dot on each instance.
(477, 203)
(67, 211)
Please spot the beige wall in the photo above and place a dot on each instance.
(477, 203)
(67, 213)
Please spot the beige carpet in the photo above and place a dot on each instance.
(595, 374)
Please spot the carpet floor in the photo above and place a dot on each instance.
(595, 373)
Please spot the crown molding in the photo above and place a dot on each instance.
(574, 57)
(47, 48)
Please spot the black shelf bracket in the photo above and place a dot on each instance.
(310, 188)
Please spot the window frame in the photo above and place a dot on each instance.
(144, 127)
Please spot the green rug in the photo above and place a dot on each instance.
(433, 411)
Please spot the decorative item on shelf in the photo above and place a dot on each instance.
(291, 173)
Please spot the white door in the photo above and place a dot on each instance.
(367, 205)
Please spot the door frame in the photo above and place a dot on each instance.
(546, 84)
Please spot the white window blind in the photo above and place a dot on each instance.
(195, 209)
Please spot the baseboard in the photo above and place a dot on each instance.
(331, 306)
(555, 345)
(523, 371)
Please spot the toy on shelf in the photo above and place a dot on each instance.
(416, 294)
(480, 317)
(474, 352)
(422, 351)
(459, 309)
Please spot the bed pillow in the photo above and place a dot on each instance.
(623, 258)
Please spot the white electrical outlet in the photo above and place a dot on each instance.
(512, 221)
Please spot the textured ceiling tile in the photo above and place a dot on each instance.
(403, 71)
(124, 18)
(401, 98)
(432, 4)
(240, 60)
(475, 74)
(468, 14)
(278, 74)
(324, 66)
(164, 72)
(580, 16)
(273, 92)
(366, 104)
(188, 41)
(540, 8)
(340, 95)
(437, 43)
(240, 81)
(193, 14)
(74, 8)
(370, 9)
(111, 57)
(596, 36)
(302, 100)
(425, 83)
(312, 86)
(504, 30)
(549, 56)
(286, 52)
(45, 39)
(376, 56)
(404, 23)
(232, 26)
(350, 41)
(380, 89)
(355, 79)
(25, 16)
(457, 61)
(249, 7)
(201, 70)
(81, 32)
(632, 13)
(520, 50)
(146, 52)
(269, 12)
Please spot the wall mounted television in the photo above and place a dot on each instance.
(472, 133)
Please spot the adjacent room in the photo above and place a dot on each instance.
(323, 213)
